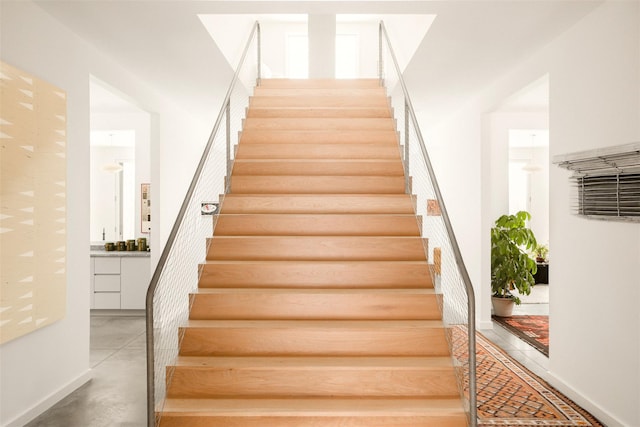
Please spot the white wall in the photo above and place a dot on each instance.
(455, 149)
(368, 37)
(594, 75)
(274, 42)
(322, 46)
(40, 368)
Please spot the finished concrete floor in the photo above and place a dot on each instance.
(116, 395)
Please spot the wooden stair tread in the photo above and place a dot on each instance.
(322, 263)
(327, 124)
(320, 239)
(317, 224)
(293, 406)
(315, 274)
(315, 412)
(318, 101)
(318, 203)
(363, 150)
(332, 92)
(293, 363)
(314, 304)
(316, 324)
(313, 338)
(273, 377)
(344, 167)
(317, 167)
(319, 184)
(250, 291)
(320, 112)
(320, 161)
(400, 248)
(320, 83)
(319, 136)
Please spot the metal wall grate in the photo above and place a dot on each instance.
(606, 182)
(612, 196)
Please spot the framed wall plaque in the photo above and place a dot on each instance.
(145, 206)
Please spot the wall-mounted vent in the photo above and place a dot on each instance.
(606, 182)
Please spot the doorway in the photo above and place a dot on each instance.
(520, 146)
(120, 164)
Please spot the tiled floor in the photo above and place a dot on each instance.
(116, 396)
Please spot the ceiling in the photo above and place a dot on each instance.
(104, 99)
(469, 44)
(528, 138)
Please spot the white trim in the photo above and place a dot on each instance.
(484, 324)
(46, 403)
(600, 413)
(597, 153)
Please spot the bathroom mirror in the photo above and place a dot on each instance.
(113, 185)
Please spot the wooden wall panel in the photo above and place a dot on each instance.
(32, 202)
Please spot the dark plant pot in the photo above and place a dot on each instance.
(502, 307)
(539, 259)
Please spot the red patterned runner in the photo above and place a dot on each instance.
(511, 395)
(532, 329)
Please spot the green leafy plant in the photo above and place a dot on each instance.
(541, 252)
(511, 266)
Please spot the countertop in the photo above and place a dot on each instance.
(98, 251)
(104, 253)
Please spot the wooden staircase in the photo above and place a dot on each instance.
(315, 305)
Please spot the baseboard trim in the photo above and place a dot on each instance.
(49, 401)
(597, 411)
(484, 325)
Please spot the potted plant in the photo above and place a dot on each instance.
(541, 252)
(511, 267)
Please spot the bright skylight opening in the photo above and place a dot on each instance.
(347, 56)
(297, 54)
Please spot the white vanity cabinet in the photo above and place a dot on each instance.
(119, 282)
(134, 280)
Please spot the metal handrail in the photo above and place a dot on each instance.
(179, 219)
(471, 304)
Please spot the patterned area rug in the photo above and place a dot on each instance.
(532, 329)
(510, 395)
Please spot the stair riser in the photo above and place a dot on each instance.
(319, 168)
(317, 306)
(317, 248)
(198, 382)
(255, 136)
(316, 225)
(318, 101)
(313, 342)
(341, 204)
(327, 112)
(319, 151)
(333, 93)
(315, 275)
(317, 185)
(368, 125)
(313, 420)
